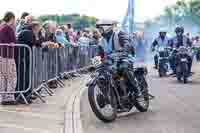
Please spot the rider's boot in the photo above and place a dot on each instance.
(134, 84)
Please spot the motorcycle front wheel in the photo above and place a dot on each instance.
(185, 73)
(103, 106)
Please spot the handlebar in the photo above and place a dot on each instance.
(118, 55)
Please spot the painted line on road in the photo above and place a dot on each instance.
(72, 114)
(77, 112)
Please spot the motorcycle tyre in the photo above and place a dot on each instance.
(97, 112)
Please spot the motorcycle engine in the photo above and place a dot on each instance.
(123, 85)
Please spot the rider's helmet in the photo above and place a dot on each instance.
(162, 33)
(105, 26)
(179, 31)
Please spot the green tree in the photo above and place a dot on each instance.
(78, 22)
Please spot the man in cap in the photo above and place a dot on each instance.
(161, 41)
(113, 41)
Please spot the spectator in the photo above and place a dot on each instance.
(50, 28)
(65, 30)
(78, 35)
(83, 44)
(22, 21)
(27, 36)
(70, 34)
(73, 52)
(61, 39)
(95, 38)
(28, 21)
(196, 42)
(8, 70)
(40, 38)
(84, 40)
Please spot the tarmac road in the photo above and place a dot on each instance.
(176, 109)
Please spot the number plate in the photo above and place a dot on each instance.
(183, 60)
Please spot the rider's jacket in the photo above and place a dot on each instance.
(178, 41)
(161, 42)
(118, 40)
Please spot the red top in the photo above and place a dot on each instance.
(7, 36)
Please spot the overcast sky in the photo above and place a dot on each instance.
(113, 9)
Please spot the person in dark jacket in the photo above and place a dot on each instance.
(27, 37)
(27, 22)
(50, 27)
(95, 38)
(29, 34)
(180, 40)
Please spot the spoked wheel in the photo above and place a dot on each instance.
(178, 73)
(103, 106)
(186, 74)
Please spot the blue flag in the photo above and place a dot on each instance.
(128, 22)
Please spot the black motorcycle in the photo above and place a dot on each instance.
(182, 69)
(163, 61)
(110, 91)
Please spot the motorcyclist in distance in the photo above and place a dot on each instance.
(180, 40)
(161, 41)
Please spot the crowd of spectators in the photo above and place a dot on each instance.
(30, 31)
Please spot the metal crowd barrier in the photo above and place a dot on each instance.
(15, 71)
(25, 71)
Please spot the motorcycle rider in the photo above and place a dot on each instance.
(196, 45)
(180, 40)
(113, 40)
(161, 41)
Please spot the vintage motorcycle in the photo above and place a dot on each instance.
(163, 61)
(182, 68)
(110, 92)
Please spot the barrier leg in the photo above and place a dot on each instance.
(38, 95)
(60, 82)
(47, 89)
(17, 98)
(23, 97)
